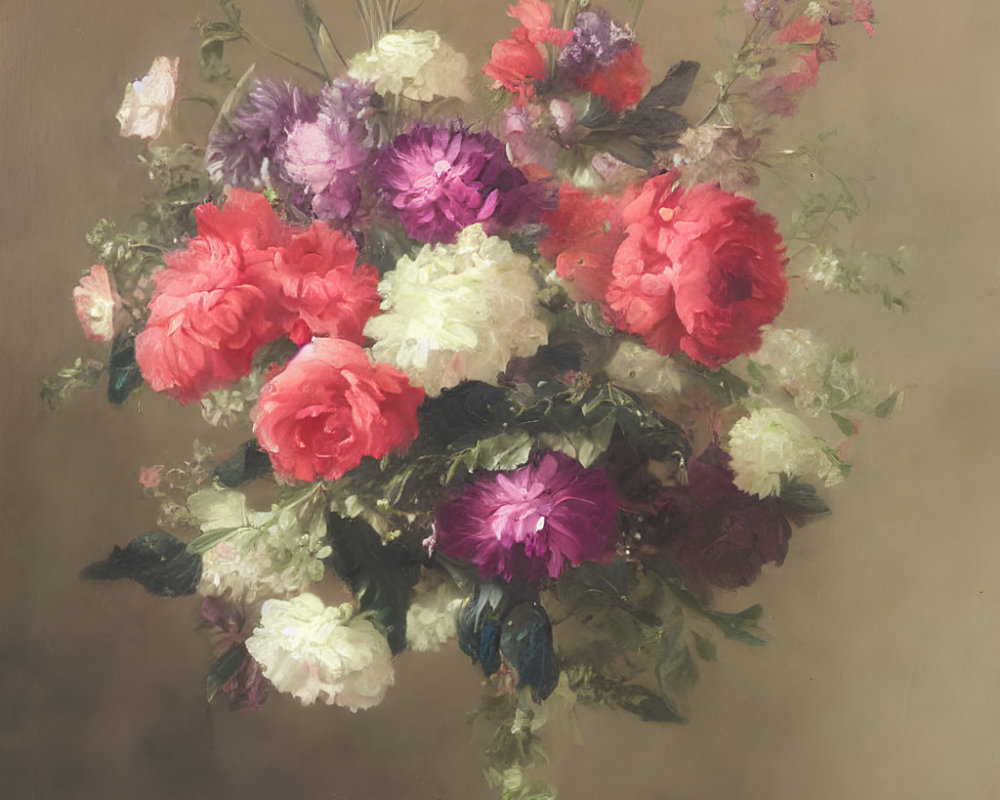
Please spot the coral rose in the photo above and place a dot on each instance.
(317, 287)
(699, 271)
(204, 324)
(330, 408)
(583, 235)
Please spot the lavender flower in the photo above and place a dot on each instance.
(442, 179)
(326, 156)
(530, 522)
(598, 38)
(243, 150)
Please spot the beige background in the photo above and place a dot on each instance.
(880, 680)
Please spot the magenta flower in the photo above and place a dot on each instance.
(443, 179)
(531, 522)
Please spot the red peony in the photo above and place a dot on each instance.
(205, 321)
(699, 271)
(516, 64)
(583, 234)
(622, 83)
(330, 408)
(316, 286)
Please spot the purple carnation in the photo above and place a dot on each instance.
(598, 38)
(239, 149)
(443, 179)
(327, 155)
(530, 522)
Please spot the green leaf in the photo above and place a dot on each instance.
(704, 647)
(845, 425)
(124, 376)
(503, 452)
(322, 42)
(381, 575)
(156, 560)
(887, 406)
(81, 375)
(224, 668)
(206, 541)
(602, 688)
(249, 462)
(802, 497)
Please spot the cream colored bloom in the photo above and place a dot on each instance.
(417, 65)
(313, 651)
(458, 312)
(146, 107)
(432, 618)
(770, 443)
(641, 369)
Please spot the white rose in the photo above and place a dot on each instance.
(148, 100)
(313, 651)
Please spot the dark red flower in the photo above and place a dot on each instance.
(621, 84)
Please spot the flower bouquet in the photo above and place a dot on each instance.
(503, 344)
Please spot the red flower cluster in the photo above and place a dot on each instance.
(621, 84)
(697, 270)
(245, 280)
(330, 407)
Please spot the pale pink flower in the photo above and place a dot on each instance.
(146, 106)
(96, 303)
(150, 477)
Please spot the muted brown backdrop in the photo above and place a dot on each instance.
(880, 680)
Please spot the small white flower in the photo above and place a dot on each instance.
(770, 443)
(313, 651)
(416, 65)
(146, 106)
(432, 618)
(641, 369)
(458, 312)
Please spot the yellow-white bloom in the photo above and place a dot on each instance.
(770, 443)
(432, 618)
(417, 65)
(641, 369)
(458, 312)
(145, 109)
(313, 651)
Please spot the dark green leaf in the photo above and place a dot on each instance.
(249, 462)
(674, 89)
(676, 671)
(381, 575)
(224, 668)
(704, 647)
(156, 560)
(526, 644)
(802, 498)
(612, 691)
(124, 376)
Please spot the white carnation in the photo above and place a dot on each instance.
(458, 312)
(432, 618)
(641, 369)
(770, 443)
(312, 651)
(417, 65)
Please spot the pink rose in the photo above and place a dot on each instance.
(204, 324)
(96, 303)
(330, 408)
(699, 271)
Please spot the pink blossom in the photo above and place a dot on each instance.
(150, 477)
(96, 303)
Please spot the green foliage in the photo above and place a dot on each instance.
(223, 668)
(604, 688)
(82, 374)
(156, 560)
(514, 749)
